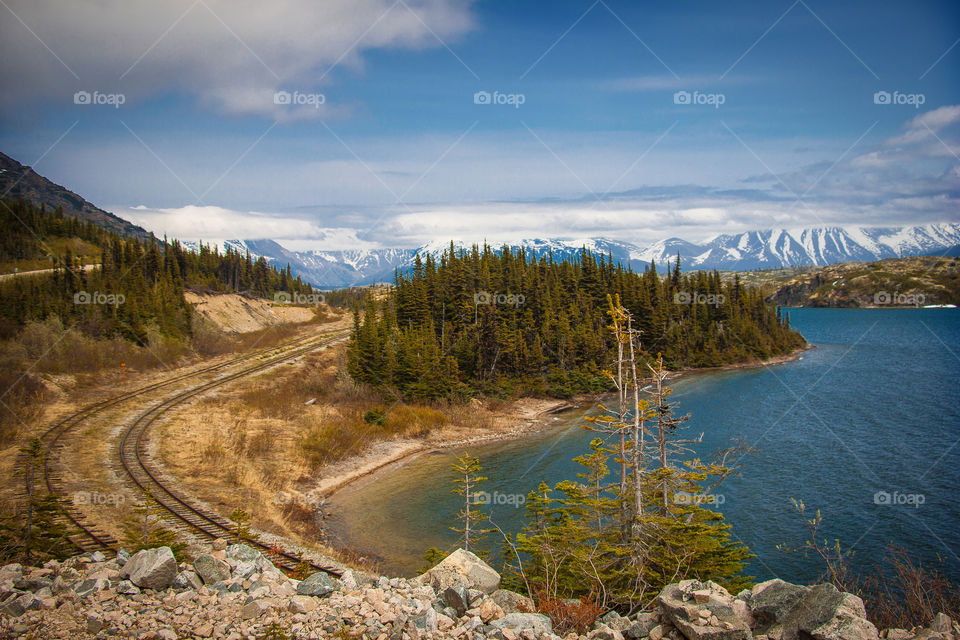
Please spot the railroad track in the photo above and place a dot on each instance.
(210, 525)
(89, 536)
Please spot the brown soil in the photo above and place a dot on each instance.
(239, 314)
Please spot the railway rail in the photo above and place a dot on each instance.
(148, 480)
(89, 537)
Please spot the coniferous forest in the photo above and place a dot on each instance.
(140, 284)
(129, 310)
(504, 323)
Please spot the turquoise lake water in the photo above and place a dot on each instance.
(866, 427)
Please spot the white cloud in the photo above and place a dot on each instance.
(214, 225)
(920, 127)
(937, 119)
(230, 53)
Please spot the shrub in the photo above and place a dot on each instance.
(375, 416)
(907, 594)
(24, 397)
(413, 420)
(569, 615)
(329, 442)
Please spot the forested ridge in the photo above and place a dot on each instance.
(139, 284)
(504, 323)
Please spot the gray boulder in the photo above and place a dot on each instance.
(827, 614)
(127, 588)
(457, 598)
(604, 632)
(702, 611)
(641, 626)
(211, 569)
(254, 609)
(349, 580)
(319, 584)
(942, 623)
(187, 580)
(245, 569)
(12, 608)
(822, 612)
(461, 569)
(773, 601)
(512, 602)
(427, 621)
(90, 586)
(537, 622)
(243, 553)
(33, 584)
(614, 621)
(151, 568)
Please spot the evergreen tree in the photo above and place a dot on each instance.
(36, 530)
(143, 528)
(505, 323)
(471, 519)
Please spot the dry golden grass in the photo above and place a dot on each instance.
(46, 350)
(266, 441)
(76, 370)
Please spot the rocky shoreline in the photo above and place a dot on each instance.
(233, 592)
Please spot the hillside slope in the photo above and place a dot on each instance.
(235, 313)
(20, 181)
(895, 282)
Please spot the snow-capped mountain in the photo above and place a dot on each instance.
(812, 246)
(770, 248)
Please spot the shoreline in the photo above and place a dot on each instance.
(400, 452)
(396, 453)
(754, 364)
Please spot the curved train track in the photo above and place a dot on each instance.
(148, 480)
(90, 537)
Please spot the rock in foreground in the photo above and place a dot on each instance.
(235, 593)
(462, 569)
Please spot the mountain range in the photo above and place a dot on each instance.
(771, 248)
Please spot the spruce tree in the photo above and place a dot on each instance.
(143, 527)
(472, 520)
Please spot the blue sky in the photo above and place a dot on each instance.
(788, 130)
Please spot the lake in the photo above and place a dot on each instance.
(866, 427)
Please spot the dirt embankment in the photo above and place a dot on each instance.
(235, 313)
